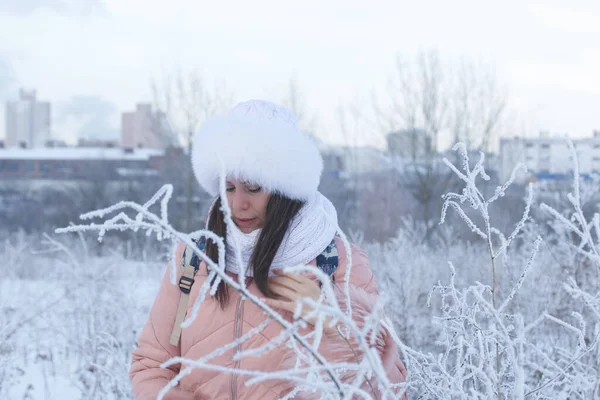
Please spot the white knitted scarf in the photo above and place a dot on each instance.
(309, 233)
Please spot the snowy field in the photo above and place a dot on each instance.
(515, 315)
(68, 327)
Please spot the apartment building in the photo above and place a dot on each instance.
(549, 157)
(27, 121)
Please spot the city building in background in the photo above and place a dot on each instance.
(79, 163)
(144, 128)
(27, 121)
(55, 143)
(549, 158)
(106, 143)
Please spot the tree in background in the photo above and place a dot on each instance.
(296, 102)
(429, 100)
(463, 101)
(353, 127)
(185, 100)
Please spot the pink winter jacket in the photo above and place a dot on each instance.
(215, 327)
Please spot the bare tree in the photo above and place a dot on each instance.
(296, 102)
(479, 108)
(430, 99)
(464, 100)
(371, 201)
(184, 101)
(351, 122)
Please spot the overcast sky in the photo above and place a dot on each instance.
(93, 58)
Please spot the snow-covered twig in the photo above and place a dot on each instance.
(145, 219)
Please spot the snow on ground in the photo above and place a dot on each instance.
(68, 329)
(68, 333)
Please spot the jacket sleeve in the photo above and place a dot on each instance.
(363, 297)
(147, 377)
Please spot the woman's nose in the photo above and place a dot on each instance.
(239, 201)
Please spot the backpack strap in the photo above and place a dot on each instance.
(190, 262)
(328, 260)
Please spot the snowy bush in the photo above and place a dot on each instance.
(488, 344)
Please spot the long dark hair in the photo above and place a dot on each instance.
(280, 212)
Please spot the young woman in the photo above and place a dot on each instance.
(273, 171)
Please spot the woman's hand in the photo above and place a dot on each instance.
(291, 288)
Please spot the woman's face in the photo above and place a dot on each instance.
(248, 203)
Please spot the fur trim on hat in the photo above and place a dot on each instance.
(260, 142)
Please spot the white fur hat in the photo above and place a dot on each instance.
(258, 141)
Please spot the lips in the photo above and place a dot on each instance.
(245, 222)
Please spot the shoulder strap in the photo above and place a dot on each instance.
(190, 257)
(327, 262)
(190, 261)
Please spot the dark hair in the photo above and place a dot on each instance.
(280, 212)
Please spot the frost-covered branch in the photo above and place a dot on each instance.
(306, 346)
(488, 350)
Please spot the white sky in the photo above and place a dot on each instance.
(105, 51)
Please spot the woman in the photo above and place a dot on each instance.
(273, 171)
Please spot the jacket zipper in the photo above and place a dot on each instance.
(238, 333)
